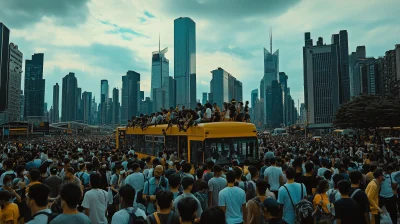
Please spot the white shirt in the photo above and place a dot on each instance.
(122, 216)
(273, 173)
(227, 114)
(208, 113)
(96, 200)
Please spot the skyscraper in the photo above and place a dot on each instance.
(87, 107)
(115, 107)
(283, 82)
(224, 87)
(130, 102)
(185, 61)
(321, 83)
(254, 98)
(271, 69)
(169, 84)
(342, 42)
(22, 105)
(204, 99)
(4, 66)
(104, 94)
(14, 83)
(274, 99)
(79, 115)
(34, 87)
(159, 68)
(69, 102)
(391, 75)
(56, 103)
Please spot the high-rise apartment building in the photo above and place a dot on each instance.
(69, 102)
(130, 101)
(185, 61)
(159, 69)
(353, 78)
(56, 103)
(274, 101)
(14, 83)
(104, 94)
(146, 106)
(204, 98)
(115, 107)
(391, 76)
(342, 42)
(87, 107)
(224, 87)
(169, 85)
(22, 105)
(34, 87)
(4, 68)
(321, 82)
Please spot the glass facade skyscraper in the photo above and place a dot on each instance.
(87, 107)
(159, 69)
(342, 43)
(271, 69)
(185, 61)
(4, 59)
(56, 104)
(130, 100)
(34, 86)
(69, 102)
(224, 87)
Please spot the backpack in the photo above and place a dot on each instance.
(81, 178)
(303, 209)
(261, 207)
(50, 216)
(133, 219)
(332, 196)
(262, 172)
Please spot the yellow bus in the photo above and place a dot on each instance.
(220, 141)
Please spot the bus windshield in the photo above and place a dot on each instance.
(224, 150)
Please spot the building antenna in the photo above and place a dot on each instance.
(270, 39)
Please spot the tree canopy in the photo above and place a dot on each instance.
(369, 111)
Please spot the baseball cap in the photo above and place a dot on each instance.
(271, 205)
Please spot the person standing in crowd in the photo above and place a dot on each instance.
(215, 185)
(53, 182)
(187, 208)
(271, 212)
(359, 196)
(387, 196)
(7, 186)
(174, 184)
(8, 166)
(346, 209)
(274, 176)
(372, 192)
(37, 200)
(123, 216)
(254, 206)
(212, 215)
(82, 175)
(9, 213)
(164, 212)
(309, 180)
(209, 174)
(290, 194)
(186, 167)
(71, 178)
(151, 187)
(232, 200)
(95, 201)
(70, 196)
(251, 184)
(136, 179)
(321, 202)
(187, 185)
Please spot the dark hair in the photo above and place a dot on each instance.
(6, 179)
(238, 172)
(164, 199)
(70, 170)
(71, 194)
(199, 173)
(89, 167)
(210, 164)
(212, 215)
(186, 207)
(128, 194)
(9, 163)
(355, 177)
(253, 171)
(336, 178)
(135, 166)
(309, 167)
(174, 180)
(5, 195)
(230, 176)
(40, 194)
(328, 174)
(217, 168)
(290, 173)
(344, 186)
(272, 160)
(322, 185)
(34, 174)
(372, 167)
(262, 186)
(186, 167)
(95, 180)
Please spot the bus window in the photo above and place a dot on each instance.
(158, 144)
(148, 144)
(223, 150)
(139, 147)
(182, 151)
(196, 152)
(171, 143)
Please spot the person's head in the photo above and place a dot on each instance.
(5, 197)
(217, 170)
(136, 167)
(328, 174)
(336, 178)
(238, 172)
(70, 196)
(212, 215)
(89, 167)
(372, 167)
(9, 164)
(7, 181)
(378, 175)
(271, 208)
(230, 176)
(164, 199)
(174, 180)
(272, 161)
(158, 171)
(355, 177)
(95, 180)
(187, 208)
(344, 186)
(253, 172)
(323, 186)
(309, 167)
(290, 173)
(69, 173)
(127, 195)
(199, 173)
(186, 167)
(210, 165)
(261, 187)
(187, 183)
(34, 175)
(38, 195)
(324, 163)
(53, 170)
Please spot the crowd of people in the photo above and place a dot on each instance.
(186, 117)
(85, 180)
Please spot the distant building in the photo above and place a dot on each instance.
(355, 79)
(130, 101)
(185, 61)
(22, 105)
(87, 107)
(254, 98)
(391, 75)
(4, 71)
(56, 102)
(69, 102)
(283, 82)
(14, 83)
(34, 86)
(169, 85)
(204, 98)
(342, 42)
(274, 99)
(146, 106)
(224, 87)
(159, 69)
(104, 95)
(115, 107)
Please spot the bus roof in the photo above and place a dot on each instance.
(202, 130)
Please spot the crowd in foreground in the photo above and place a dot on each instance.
(85, 180)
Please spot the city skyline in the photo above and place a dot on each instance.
(109, 44)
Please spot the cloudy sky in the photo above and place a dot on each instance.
(102, 39)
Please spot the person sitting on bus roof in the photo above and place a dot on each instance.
(232, 110)
(216, 113)
(240, 112)
(246, 111)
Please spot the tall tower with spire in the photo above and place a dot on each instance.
(159, 67)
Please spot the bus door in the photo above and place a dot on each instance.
(196, 152)
(121, 139)
(183, 147)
